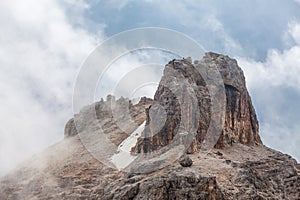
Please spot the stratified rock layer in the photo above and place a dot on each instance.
(241, 125)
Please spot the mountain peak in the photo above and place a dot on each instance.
(238, 166)
(240, 124)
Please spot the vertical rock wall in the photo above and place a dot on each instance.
(172, 96)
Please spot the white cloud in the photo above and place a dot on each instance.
(297, 1)
(137, 70)
(230, 45)
(294, 31)
(282, 138)
(40, 53)
(280, 68)
(279, 72)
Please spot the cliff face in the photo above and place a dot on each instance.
(241, 125)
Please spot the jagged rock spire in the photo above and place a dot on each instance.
(241, 124)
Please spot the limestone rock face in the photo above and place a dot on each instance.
(241, 125)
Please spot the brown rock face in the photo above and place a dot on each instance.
(181, 78)
(241, 124)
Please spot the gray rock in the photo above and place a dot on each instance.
(185, 161)
(70, 129)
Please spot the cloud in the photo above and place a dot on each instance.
(246, 28)
(294, 31)
(297, 1)
(280, 68)
(275, 86)
(40, 53)
(137, 72)
(198, 20)
(208, 21)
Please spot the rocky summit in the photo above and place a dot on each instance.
(241, 125)
(237, 166)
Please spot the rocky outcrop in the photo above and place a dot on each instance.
(172, 96)
(70, 129)
(185, 161)
(109, 115)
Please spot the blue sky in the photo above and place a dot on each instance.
(44, 43)
(245, 23)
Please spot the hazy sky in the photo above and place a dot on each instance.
(43, 44)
